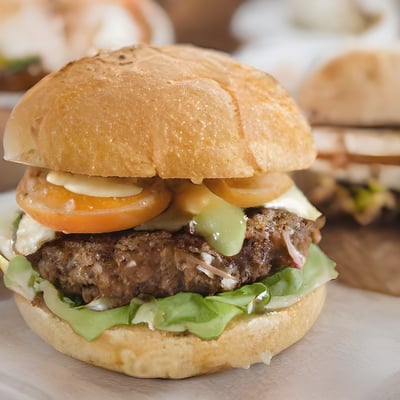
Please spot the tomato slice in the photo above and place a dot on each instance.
(250, 192)
(61, 210)
(192, 198)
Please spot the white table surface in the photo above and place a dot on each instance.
(352, 352)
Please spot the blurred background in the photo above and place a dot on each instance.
(320, 50)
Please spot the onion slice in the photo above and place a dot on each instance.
(213, 270)
(298, 258)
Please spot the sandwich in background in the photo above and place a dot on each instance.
(352, 102)
(287, 38)
(39, 36)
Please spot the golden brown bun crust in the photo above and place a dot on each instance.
(356, 88)
(141, 352)
(175, 111)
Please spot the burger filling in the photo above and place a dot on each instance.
(193, 263)
(121, 265)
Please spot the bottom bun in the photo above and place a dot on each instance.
(141, 352)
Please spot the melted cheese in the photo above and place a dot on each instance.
(31, 236)
(94, 185)
(295, 202)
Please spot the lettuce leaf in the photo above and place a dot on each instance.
(87, 323)
(189, 312)
(22, 278)
(290, 284)
(205, 317)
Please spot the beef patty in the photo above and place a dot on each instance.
(121, 265)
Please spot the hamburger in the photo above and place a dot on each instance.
(161, 235)
(351, 102)
(39, 36)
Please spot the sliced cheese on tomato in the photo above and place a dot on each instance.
(96, 186)
(62, 210)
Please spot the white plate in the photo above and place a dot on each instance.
(352, 352)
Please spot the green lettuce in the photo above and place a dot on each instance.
(17, 64)
(290, 284)
(22, 278)
(85, 322)
(205, 317)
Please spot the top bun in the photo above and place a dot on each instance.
(357, 88)
(173, 111)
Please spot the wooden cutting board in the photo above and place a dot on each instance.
(367, 257)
